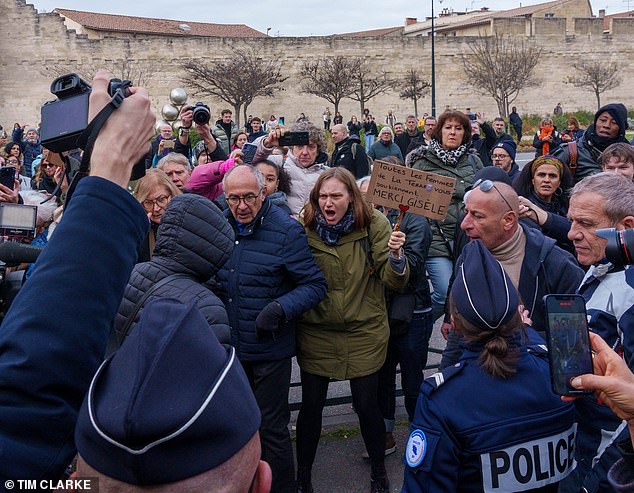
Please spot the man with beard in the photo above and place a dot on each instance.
(583, 156)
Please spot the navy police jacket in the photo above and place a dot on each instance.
(476, 433)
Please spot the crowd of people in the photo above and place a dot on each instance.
(163, 359)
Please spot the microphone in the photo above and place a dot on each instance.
(14, 253)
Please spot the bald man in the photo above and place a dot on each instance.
(533, 262)
(349, 152)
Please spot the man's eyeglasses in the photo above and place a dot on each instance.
(487, 185)
(499, 157)
(248, 199)
(161, 201)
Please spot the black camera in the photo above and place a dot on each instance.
(620, 245)
(202, 115)
(64, 119)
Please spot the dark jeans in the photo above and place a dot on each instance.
(364, 399)
(270, 381)
(410, 351)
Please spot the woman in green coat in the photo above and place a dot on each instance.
(345, 337)
(448, 155)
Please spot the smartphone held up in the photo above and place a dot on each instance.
(569, 351)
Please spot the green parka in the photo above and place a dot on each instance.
(346, 335)
(464, 173)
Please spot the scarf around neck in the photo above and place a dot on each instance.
(602, 143)
(450, 158)
(330, 233)
(543, 133)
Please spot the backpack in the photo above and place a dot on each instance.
(573, 155)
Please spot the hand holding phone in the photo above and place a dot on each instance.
(168, 144)
(248, 153)
(569, 350)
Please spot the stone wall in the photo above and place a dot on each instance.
(35, 46)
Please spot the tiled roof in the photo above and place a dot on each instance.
(374, 32)
(124, 23)
(485, 19)
(608, 18)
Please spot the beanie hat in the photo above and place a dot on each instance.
(482, 292)
(509, 146)
(170, 404)
(618, 111)
(199, 149)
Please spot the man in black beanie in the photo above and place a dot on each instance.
(583, 156)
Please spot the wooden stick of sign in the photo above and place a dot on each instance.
(401, 215)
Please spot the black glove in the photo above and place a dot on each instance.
(270, 320)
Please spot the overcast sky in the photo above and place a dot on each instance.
(303, 18)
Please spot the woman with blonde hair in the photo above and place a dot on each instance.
(154, 191)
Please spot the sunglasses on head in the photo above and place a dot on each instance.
(487, 185)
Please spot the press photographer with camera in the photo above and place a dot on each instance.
(48, 357)
(604, 200)
(197, 117)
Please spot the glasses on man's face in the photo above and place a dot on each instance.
(499, 157)
(249, 199)
(161, 202)
(487, 185)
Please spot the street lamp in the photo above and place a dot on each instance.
(267, 30)
(433, 61)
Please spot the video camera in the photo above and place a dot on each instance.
(620, 247)
(17, 225)
(64, 120)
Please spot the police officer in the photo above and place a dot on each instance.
(490, 423)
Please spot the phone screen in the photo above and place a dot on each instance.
(568, 342)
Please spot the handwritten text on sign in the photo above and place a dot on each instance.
(426, 194)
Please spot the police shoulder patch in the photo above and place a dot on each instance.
(438, 379)
(416, 448)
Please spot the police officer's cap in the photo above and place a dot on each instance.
(482, 292)
(170, 404)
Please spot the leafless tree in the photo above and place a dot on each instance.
(369, 85)
(596, 75)
(413, 86)
(139, 72)
(331, 78)
(501, 66)
(237, 80)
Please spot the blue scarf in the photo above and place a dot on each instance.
(330, 233)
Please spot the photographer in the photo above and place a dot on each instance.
(604, 200)
(48, 357)
(212, 149)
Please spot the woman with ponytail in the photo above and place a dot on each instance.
(491, 422)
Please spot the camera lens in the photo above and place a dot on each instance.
(201, 114)
(620, 245)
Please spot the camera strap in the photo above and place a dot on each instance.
(88, 138)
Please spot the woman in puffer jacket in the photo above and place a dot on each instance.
(193, 240)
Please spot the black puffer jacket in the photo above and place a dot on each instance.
(194, 239)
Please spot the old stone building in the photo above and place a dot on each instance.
(37, 46)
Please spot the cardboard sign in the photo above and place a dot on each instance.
(421, 192)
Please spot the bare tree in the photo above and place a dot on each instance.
(369, 85)
(501, 66)
(236, 80)
(596, 75)
(139, 72)
(413, 86)
(330, 78)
